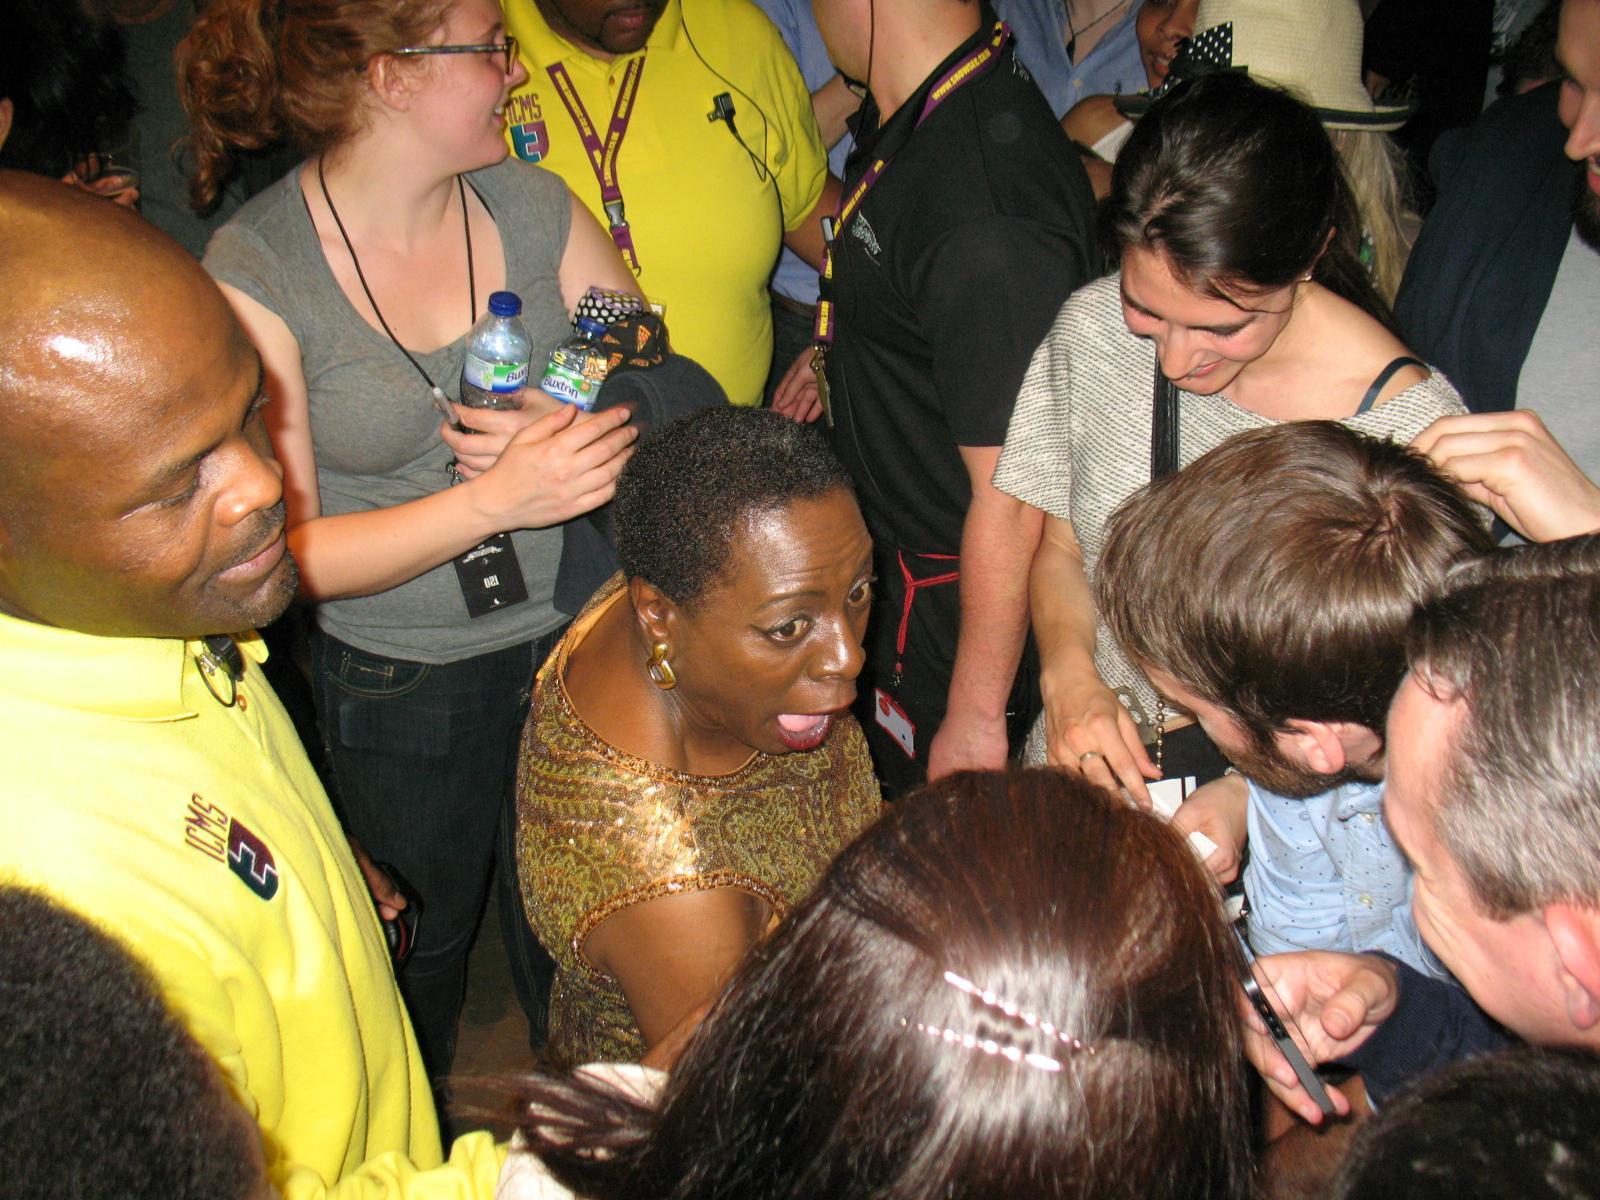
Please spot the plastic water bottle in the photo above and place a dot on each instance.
(578, 366)
(496, 371)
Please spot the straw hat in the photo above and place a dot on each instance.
(1310, 47)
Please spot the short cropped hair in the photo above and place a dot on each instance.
(1515, 636)
(1523, 1122)
(1275, 575)
(103, 1093)
(692, 483)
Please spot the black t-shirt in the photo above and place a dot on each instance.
(945, 279)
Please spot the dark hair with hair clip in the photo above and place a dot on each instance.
(62, 70)
(1013, 985)
(1237, 186)
(694, 482)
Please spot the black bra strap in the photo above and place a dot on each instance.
(1405, 360)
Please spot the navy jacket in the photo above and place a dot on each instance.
(1482, 269)
(1434, 1024)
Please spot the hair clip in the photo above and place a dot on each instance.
(990, 1046)
(990, 1000)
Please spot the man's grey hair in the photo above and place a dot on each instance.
(1515, 637)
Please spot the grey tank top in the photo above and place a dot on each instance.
(374, 428)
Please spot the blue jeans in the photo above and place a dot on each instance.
(424, 762)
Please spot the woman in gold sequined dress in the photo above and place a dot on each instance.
(690, 765)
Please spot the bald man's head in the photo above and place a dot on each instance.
(138, 492)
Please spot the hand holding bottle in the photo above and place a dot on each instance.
(558, 467)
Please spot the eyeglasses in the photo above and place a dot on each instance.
(507, 48)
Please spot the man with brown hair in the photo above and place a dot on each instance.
(1316, 543)
(1495, 799)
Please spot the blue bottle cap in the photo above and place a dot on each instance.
(505, 304)
(590, 327)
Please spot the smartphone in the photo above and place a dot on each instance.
(400, 932)
(1261, 993)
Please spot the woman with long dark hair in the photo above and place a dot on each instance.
(1241, 301)
(963, 1008)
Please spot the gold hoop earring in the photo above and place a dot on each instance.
(661, 673)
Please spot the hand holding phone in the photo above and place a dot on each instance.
(1336, 999)
(1264, 999)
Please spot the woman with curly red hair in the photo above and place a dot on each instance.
(358, 276)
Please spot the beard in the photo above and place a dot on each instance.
(1265, 766)
(227, 613)
(1586, 212)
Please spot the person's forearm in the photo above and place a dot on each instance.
(806, 239)
(998, 541)
(834, 104)
(1063, 608)
(362, 553)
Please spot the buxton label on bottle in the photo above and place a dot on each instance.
(495, 376)
(570, 386)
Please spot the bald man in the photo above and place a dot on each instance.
(151, 779)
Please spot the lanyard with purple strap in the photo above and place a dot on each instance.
(603, 156)
(971, 66)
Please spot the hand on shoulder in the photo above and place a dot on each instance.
(1510, 462)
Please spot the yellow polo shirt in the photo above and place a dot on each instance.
(199, 835)
(708, 216)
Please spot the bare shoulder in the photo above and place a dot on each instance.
(685, 923)
(1366, 350)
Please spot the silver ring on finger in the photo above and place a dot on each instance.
(1088, 756)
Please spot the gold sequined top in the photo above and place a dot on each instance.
(599, 829)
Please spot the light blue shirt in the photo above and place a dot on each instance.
(1113, 65)
(1040, 25)
(794, 277)
(1325, 874)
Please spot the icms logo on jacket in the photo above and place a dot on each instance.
(530, 136)
(215, 834)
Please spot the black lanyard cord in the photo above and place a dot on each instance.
(472, 287)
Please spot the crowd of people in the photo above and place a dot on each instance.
(1069, 666)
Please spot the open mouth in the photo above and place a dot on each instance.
(804, 731)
